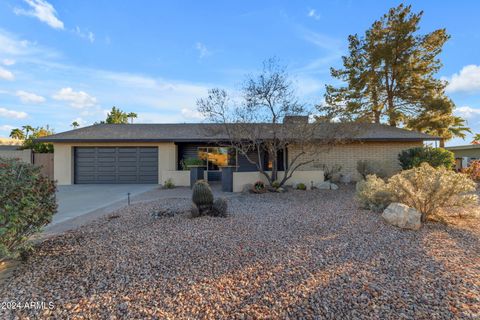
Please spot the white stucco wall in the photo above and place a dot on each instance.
(240, 179)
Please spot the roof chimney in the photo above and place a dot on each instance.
(295, 119)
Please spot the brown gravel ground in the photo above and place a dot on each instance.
(303, 254)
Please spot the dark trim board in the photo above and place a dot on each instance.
(116, 165)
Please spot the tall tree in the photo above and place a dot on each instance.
(75, 125)
(131, 116)
(29, 134)
(436, 119)
(389, 71)
(27, 129)
(17, 134)
(117, 116)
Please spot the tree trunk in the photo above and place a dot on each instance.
(274, 167)
(377, 116)
(391, 111)
(442, 143)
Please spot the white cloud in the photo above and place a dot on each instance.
(202, 50)
(308, 85)
(467, 112)
(90, 36)
(77, 99)
(6, 127)
(29, 97)
(330, 49)
(8, 62)
(467, 80)
(12, 114)
(6, 75)
(188, 113)
(43, 11)
(312, 13)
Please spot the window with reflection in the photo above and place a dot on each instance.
(216, 157)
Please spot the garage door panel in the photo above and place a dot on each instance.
(106, 150)
(116, 165)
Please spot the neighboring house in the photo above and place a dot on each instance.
(464, 154)
(153, 153)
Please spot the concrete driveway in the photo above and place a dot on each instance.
(77, 201)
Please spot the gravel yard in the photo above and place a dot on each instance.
(303, 254)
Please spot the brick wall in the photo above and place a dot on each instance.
(347, 155)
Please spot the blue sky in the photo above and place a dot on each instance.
(69, 60)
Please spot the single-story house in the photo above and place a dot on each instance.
(153, 153)
(464, 154)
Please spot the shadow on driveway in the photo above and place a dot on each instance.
(76, 203)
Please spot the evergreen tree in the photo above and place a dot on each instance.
(389, 71)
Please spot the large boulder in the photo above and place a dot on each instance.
(327, 185)
(400, 215)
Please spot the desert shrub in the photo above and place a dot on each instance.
(330, 172)
(186, 163)
(27, 203)
(435, 157)
(473, 170)
(202, 197)
(373, 193)
(368, 167)
(430, 189)
(194, 211)
(301, 186)
(259, 187)
(168, 184)
(220, 207)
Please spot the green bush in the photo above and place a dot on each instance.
(301, 186)
(275, 184)
(373, 193)
(168, 184)
(435, 157)
(27, 203)
(259, 187)
(368, 167)
(429, 189)
(187, 163)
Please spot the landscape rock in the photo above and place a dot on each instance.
(402, 216)
(298, 255)
(326, 185)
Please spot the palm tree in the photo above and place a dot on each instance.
(476, 139)
(75, 125)
(27, 129)
(132, 115)
(17, 134)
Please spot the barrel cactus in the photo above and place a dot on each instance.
(202, 197)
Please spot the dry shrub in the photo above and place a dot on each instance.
(429, 189)
(473, 170)
(373, 193)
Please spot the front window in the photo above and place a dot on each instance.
(216, 157)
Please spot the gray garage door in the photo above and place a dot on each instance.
(116, 165)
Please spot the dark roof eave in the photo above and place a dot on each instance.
(69, 140)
